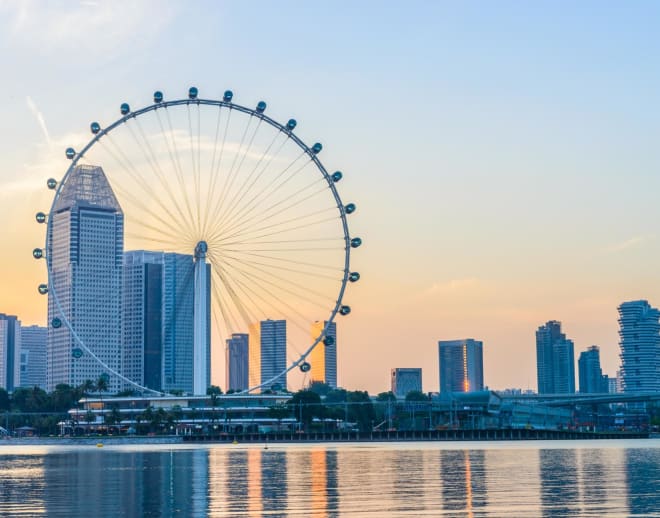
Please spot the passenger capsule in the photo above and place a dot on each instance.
(305, 367)
(228, 96)
(56, 323)
(158, 96)
(76, 353)
(124, 109)
(37, 253)
(316, 148)
(329, 340)
(43, 289)
(355, 242)
(261, 107)
(336, 176)
(350, 208)
(291, 124)
(40, 217)
(51, 183)
(354, 277)
(70, 153)
(345, 310)
(95, 127)
(192, 92)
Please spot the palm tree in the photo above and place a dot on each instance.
(101, 387)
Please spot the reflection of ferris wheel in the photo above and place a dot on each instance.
(237, 189)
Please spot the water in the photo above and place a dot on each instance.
(512, 479)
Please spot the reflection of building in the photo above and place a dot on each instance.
(324, 356)
(10, 349)
(267, 345)
(33, 356)
(461, 365)
(236, 362)
(639, 334)
(591, 376)
(150, 483)
(87, 238)
(559, 482)
(463, 480)
(555, 360)
(406, 380)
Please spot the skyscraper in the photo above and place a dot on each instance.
(87, 239)
(33, 356)
(555, 360)
(157, 327)
(406, 380)
(639, 333)
(237, 361)
(267, 345)
(591, 376)
(10, 350)
(323, 357)
(461, 365)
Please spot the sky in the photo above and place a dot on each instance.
(502, 155)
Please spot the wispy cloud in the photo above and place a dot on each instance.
(40, 119)
(452, 286)
(629, 243)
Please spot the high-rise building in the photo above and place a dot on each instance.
(267, 346)
(33, 356)
(157, 326)
(85, 260)
(406, 380)
(555, 360)
(639, 333)
(237, 361)
(323, 357)
(592, 380)
(10, 350)
(461, 365)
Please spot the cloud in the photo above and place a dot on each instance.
(629, 243)
(101, 28)
(40, 118)
(453, 286)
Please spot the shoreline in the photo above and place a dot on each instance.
(331, 438)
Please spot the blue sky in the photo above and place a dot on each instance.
(502, 154)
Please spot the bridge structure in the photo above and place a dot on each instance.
(569, 400)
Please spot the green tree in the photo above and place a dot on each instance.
(320, 388)
(90, 418)
(30, 400)
(306, 405)
(416, 395)
(361, 409)
(4, 400)
(279, 412)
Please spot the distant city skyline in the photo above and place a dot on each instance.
(503, 156)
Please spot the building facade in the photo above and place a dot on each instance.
(10, 350)
(267, 351)
(639, 339)
(555, 360)
(404, 380)
(591, 376)
(323, 357)
(461, 365)
(33, 356)
(87, 238)
(237, 361)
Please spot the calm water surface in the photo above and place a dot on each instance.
(516, 479)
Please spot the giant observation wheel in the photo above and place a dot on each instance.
(227, 183)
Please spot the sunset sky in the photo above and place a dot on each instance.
(503, 155)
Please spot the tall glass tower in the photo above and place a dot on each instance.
(10, 347)
(267, 345)
(639, 334)
(461, 365)
(237, 361)
(555, 360)
(33, 356)
(87, 238)
(323, 358)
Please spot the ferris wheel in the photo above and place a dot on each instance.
(237, 190)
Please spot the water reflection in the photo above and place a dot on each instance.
(559, 483)
(329, 481)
